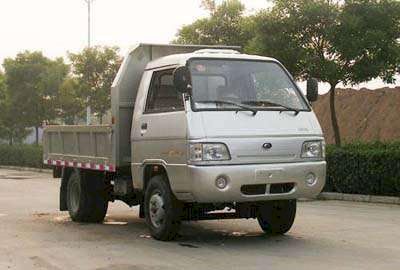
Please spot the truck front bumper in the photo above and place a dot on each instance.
(242, 178)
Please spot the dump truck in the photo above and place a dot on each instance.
(197, 132)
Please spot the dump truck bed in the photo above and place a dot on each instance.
(88, 147)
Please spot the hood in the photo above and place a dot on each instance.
(230, 124)
(245, 134)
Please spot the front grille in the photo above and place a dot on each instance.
(254, 189)
(281, 188)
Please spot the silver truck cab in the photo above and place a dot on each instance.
(230, 129)
(213, 149)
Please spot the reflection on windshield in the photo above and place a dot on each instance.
(262, 85)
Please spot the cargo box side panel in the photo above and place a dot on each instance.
(87, 147)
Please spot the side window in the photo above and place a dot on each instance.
(162, 96)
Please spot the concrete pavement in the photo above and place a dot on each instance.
(326, 235)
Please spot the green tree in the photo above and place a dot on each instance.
(33, 81)
(10, 129)
(3, 89)
(225, 25)
(337, 42)
(95, 69)
(70, 105)
(4, 133)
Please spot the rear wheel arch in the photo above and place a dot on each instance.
(65, 176)
(66, 172)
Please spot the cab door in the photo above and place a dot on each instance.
(160, 131)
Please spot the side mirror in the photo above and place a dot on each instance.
(182, 79)
(312, 89)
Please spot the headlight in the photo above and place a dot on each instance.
(208, 152)
(313, 149)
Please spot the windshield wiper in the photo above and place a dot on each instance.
(270, 103)
(254, 111)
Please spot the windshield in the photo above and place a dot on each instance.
(261, 85)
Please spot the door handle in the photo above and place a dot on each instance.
(143, 129)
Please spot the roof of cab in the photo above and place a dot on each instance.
(181, 59)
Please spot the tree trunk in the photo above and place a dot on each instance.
(10, 140)
(335, 126)
(37, 135)
(101, 118)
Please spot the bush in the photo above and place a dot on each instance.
(364, 168)
(21, 155)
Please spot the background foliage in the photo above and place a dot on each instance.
(69, 102)
(226, 25)
(94, 70)
(364, 168)
(35, 89)
(21, 155)
(32, 84)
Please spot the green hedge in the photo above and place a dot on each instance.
(364, 168)
(21, 155)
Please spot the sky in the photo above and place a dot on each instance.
(58, 26)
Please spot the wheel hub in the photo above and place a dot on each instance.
(156, 210)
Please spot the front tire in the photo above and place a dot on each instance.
(277, 217)
(87, 199)
(162, 210)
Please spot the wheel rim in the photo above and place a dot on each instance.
(156, 209)
(74, 196)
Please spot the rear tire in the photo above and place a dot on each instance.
(162, 210)
(87, 198)
(277, 217)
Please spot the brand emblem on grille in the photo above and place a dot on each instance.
(267, 146)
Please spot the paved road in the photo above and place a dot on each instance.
(327, 235)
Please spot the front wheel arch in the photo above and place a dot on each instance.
(151, 170)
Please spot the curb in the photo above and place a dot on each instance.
(358, 198)
(26, 169)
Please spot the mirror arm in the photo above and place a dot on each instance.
(189, 90)
(186, 96)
